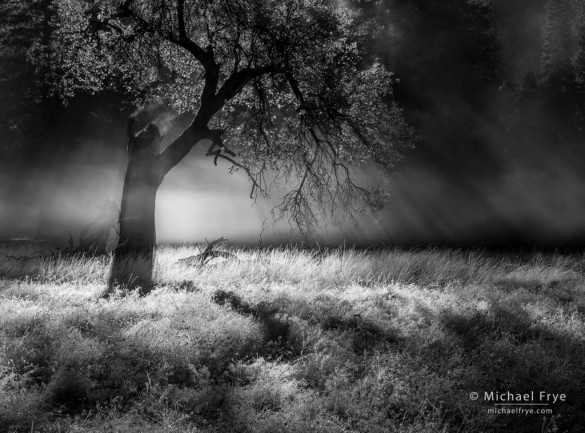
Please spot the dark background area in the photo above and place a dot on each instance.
(493, 89)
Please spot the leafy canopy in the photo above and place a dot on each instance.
(287, 84)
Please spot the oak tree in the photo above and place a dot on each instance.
(283, 90)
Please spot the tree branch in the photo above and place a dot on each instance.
(216, 141)
(237, 80)
(204, 56)
(179, 148)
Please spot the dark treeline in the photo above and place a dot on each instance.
(495, 91)
(46, 141)
(498, 107)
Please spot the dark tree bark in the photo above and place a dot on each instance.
(133, 260)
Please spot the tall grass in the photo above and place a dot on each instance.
(291, 340)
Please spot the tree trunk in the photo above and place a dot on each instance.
(133, 261)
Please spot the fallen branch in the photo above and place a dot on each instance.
(208, 253)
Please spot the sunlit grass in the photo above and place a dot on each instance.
(290, 340)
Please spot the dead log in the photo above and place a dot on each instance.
(208, 253)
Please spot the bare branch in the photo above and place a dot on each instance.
(216, 141)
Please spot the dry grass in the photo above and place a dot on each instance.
(292, 341)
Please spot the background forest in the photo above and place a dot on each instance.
(494, 91)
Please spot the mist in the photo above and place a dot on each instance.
(474, 178)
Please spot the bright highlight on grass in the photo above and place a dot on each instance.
(292, 341)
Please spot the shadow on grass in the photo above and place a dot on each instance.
(510, 353)
(280, 342)
(391, 367)
(365, 335)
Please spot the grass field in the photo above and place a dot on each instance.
(293, 341)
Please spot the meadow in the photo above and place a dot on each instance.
(292, 340)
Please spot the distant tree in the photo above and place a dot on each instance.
(558, 81)
(22, 23)
(455, 39)
(558, 41)
(447, 58)
(26, 111)
(579, 68)
(579, 60)
(278, 88)
(562, 77)
(37, 132)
